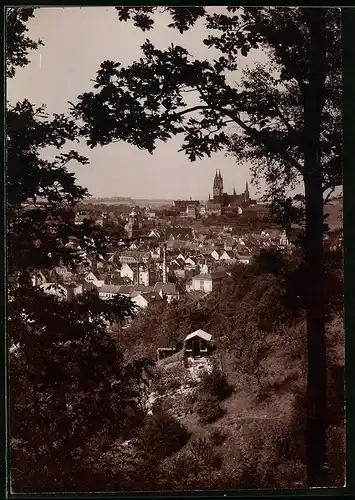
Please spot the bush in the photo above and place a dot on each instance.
(208, 409)
(195, 467)
(216, 385)
(162, 435)
(184, 471)
(217, 437)
(203, 449)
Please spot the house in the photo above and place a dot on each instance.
(144, 299)
(154, 234)
(90, 278)
(155, 253)
(128, 290)
(134, 257)
(206, 251)
(190, 262)
(143, 276)
(175, 244)
(179, 233)
(108, 291)
(243, 259)
(181, 205)
(226, 256)
(127, 272)
(215, 254)
(208, 282)
(89, 286)
(167, 290)
(98, 283)
(203, 210)
(198, 344)
(111, 257)
(176, 264)
(191, 211)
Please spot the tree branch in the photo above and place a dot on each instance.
(283, 119)
(190, 110)
(261, 137)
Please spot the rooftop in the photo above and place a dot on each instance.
(151, 296)
(199, 333)
(167, 288)
(210, 276)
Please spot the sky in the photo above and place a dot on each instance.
(76, 41)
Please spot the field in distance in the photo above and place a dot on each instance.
(129, 201)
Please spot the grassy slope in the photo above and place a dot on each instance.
(255, 414)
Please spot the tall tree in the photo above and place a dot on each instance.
(283, 116)
(69, 383)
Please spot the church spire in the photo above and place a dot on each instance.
(215, 182)
(246, 189)
(234, 193)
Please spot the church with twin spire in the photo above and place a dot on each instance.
(224, 202)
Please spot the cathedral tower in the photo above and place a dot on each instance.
(220, 183)
(218, 187)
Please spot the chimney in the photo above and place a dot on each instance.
(164, 264)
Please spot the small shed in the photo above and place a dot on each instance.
(198, 344)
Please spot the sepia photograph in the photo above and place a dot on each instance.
(174, 249)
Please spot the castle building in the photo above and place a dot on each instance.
(222, 202)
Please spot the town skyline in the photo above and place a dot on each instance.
(182, 197)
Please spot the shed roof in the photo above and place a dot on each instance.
(199, 333)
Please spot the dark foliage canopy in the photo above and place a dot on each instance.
(69, 384)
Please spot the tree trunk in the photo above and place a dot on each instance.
(316, 339)
(314, 99)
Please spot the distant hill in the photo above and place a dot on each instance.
(114, 200)
(153, 203)
(117, 200)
